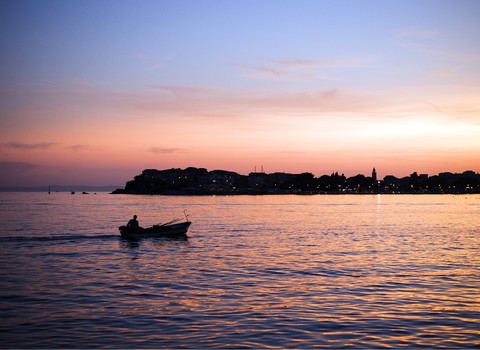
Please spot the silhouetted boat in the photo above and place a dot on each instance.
(165, 230)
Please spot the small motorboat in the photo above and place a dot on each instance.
(170, 229)
(162, 230)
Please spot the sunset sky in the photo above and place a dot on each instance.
(93, 92)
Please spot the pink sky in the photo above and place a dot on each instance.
(393, 91)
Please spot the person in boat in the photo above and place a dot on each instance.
(133, 223)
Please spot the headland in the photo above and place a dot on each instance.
(200, 181)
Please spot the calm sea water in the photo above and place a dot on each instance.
(256, 271)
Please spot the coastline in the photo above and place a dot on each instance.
(199, 181)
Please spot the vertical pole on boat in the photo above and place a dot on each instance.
(185, 213)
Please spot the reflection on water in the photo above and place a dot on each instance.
(256, 271)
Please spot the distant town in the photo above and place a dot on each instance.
(200, 181)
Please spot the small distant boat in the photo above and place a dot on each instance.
(165, 230)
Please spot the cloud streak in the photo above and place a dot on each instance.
(445, 73)
(80, 147)
(297, 68)
(43, 146)
(300, 63)
(165, 150)
(413, 31)
(263, 72)
(184, 90)
(29, 146)
(450, 54)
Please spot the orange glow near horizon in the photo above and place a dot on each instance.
(400, 97)
(310, 140)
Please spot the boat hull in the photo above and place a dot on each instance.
(173, 230)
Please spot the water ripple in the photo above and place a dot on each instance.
(256, 272)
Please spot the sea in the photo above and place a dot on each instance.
(271, 271)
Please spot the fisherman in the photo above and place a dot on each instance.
(133, 223)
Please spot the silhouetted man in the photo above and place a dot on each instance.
(133, 223)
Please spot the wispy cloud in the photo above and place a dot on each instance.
(184, 90)
(154, 67)
(44, 146)
(163, 150)
(28, 146)
(464, 113)
(263, 72)
(456, 55)
(300, 63)
(298, 68)
(79, 148)
(445, 73)
(235, 107)
(413, 31)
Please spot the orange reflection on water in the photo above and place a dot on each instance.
(262, 271)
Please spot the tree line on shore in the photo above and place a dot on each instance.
(200, 181)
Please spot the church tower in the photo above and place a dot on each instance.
(374, 176)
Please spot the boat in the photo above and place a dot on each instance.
(164, 230)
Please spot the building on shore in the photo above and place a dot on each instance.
(200, 181)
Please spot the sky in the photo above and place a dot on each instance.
(93, 92)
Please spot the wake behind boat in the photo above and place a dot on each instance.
(168, 229)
